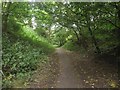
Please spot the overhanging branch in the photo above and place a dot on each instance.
(112, 23)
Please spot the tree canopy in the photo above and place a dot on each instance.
(43, 26)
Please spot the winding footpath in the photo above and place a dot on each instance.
(71, 70)
(67, 77)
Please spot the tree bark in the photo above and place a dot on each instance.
(76, 34)
(5, 17)
(83, 40)
(93, 37)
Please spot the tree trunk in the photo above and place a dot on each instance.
(76, 34)
(5, 17)
(82, 39)
(93, 37)
(4, 22)
(94, 40)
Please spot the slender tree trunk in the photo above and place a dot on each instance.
(93, 37)
(94, 40)
(76, 34)
(83, 41)
(4, 26)
(5, 17)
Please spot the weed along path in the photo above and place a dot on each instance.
(67, 77)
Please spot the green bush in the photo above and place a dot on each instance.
(72, 46)
(19, 57)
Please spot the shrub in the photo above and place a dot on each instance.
(19, 57)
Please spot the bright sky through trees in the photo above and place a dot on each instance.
(34, 24)
(32, 30)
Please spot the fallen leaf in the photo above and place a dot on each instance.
(86, 81)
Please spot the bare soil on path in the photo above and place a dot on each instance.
(67, 77)
(69, 69)
(85, 71)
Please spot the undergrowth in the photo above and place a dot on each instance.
(72, 46)
(23, 50)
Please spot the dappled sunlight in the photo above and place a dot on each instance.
(60, 44)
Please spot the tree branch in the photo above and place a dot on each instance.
(112, 23)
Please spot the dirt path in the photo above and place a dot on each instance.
(68, 69)
(67, 77)
(84, 71)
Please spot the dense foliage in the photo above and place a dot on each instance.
(23, 49)
(31, 28)
(19, 57)
(93, 24)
